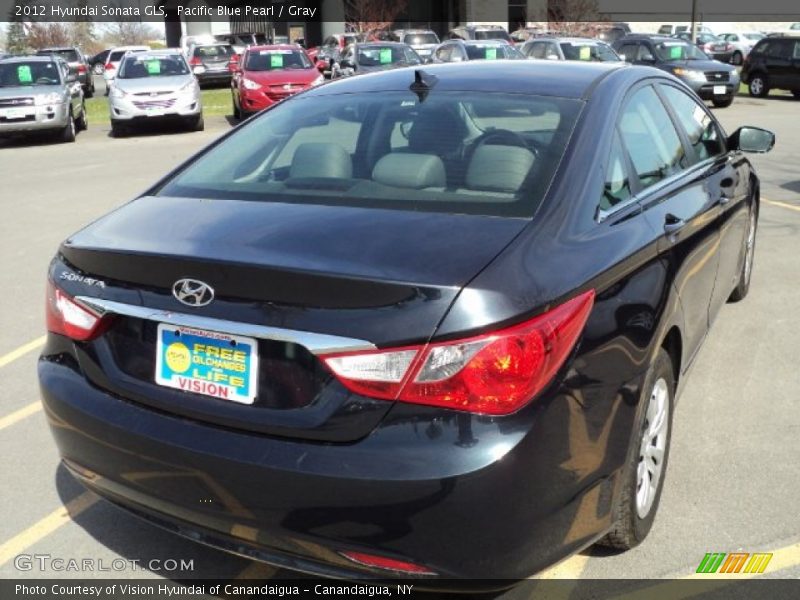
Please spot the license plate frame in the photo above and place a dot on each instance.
(719, 90)
(14, 113)
(184, 362)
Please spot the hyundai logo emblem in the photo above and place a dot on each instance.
(192, 292)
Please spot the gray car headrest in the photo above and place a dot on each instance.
(321, 160)
(407, 170)
(499, 168)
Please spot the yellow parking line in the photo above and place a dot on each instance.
(22, 351)
(18, 415)
(44, 527)
(782, 204)
(572, 568)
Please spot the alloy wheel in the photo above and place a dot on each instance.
(652, 448)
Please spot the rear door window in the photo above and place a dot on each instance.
(650, 137)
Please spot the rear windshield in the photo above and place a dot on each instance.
(213, 51)
(275, 60)
(492, 34)
(418, 39)
(491, 52)
(488, 153)
(143, 66)
(68, 55)
(591, 51)
(117, 56)
(15, 74)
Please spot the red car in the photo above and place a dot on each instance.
(268, 74)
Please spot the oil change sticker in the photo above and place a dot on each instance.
(24, 74)
(206, 362)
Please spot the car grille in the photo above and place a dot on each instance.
(289, 375)
(152, 94)
(279, 91)
(15, 102)
(717, 76)
(154, 103)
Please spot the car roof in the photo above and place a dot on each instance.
(482, 42)
(32, 58)
(567, 79)
(558, 38)
(649, 36)
(160, 52)
(413, 31)
(57, 48)
(119, 48)
(363, 44)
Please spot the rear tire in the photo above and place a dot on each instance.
(796, 94)
(736, 59)
(198, 124)
(743, 285)
(237, 112)
(758, 86)
(67, 134)
(643, 474)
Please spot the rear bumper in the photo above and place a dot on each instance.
(464, 496)
(123, 109)
(214, 77)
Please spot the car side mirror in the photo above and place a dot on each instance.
(752, 139)
(552, 57)
(648, 58)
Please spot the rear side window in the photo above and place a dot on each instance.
(703, 133)
(490, 153)
(629, 51)
(617, 185)
(116, 56)
(650, 137)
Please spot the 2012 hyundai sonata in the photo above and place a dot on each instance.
(429, 322)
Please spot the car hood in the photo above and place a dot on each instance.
(701, 65)
(29, 90)
(297, 76)
(153, 84)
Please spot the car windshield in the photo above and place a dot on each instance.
(491, 34)
(15, 74)
(215, 51)
(418, 39)
(276, 60)
(67, 54)
(453, 152)
(590, 51)
(491, 52)
(678, 51)
(375, 56)
(144, 66)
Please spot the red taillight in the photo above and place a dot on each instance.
(81, 68)
(67, 317)
(195, 61)
(388, 564)
(496, 373)
(109, 66)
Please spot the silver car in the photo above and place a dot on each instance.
(152, 86)
(742, 42)
(39, 94)
(423, 41)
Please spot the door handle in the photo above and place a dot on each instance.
(673, 224)
(723, 200)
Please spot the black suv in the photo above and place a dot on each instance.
(773, 63)
(479, 32)
(78, 66)
(710, 79)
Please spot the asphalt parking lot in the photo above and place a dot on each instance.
(732, 482)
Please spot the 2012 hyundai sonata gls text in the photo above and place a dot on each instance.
(431, 321)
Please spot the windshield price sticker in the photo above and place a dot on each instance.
(491, 53)
(675, 51)
(153, 67)
(24, 74)
(585, 53)
(276, 61)
(386, 56)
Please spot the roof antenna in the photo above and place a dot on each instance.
(423, 84)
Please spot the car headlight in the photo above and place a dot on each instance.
(117, 92)
(189, 87)
(690, 74)
(51, 98)
(319, 80)
(250, 84)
